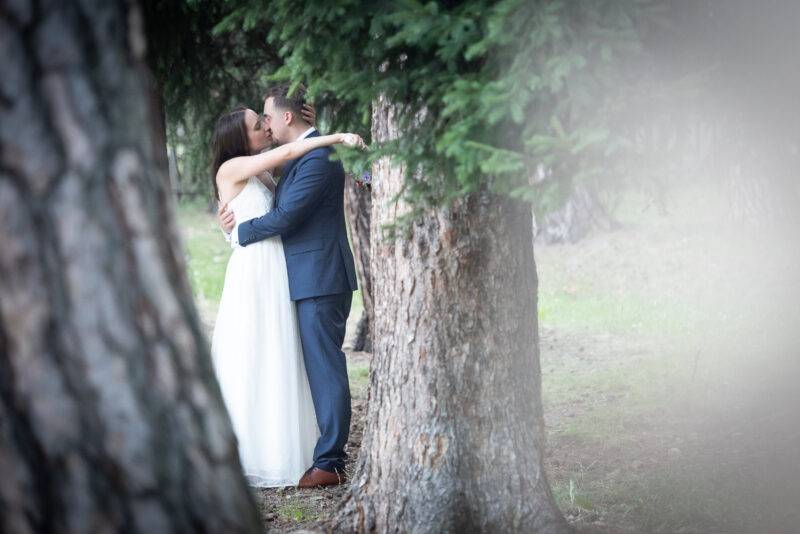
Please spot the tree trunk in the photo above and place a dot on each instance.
(454, 436)
(174, 172)
(759, 174)
(110, 417)
(582, 212)
(358, 203)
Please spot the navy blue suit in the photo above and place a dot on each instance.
(309, 217)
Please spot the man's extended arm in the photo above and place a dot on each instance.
(296, 203)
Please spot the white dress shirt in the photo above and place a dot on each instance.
(306, 133)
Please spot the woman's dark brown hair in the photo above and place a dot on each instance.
(229, 141)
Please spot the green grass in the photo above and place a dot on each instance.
(625, 314)
(644, 379)
(358, 375)
(297, 511)
(358, 304)
(674, 496)
(207, 252)
(569, 494)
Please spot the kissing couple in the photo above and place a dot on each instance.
(277, 341)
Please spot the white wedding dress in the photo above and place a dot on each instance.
(258, 357)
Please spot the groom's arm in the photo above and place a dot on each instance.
(296, 204)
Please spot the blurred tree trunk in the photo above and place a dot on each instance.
(454, 437)
(759, 173)
(110, 417)
(358, 203)
(749, 196)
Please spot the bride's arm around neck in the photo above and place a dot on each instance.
(243, 167)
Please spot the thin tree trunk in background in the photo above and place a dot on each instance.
(174, 172)
(582, 212)
(759, 175)
(358, 203)
(110, 416)
(454, 435)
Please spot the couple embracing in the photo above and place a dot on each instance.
(277, 342)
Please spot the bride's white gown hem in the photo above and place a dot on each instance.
(258, 358)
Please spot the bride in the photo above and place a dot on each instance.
(256, 348)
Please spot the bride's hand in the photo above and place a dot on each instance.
(352, 140)
(309, 114)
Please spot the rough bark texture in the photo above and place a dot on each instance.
(358, 203)
(110, 416)
(454, 434)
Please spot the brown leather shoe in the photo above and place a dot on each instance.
(316, 477)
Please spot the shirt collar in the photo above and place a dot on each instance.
(306, 133)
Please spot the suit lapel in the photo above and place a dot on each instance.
(287, 175)
(287, 171)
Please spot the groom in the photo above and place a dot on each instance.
(309, 217)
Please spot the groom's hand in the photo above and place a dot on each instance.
(226, 219)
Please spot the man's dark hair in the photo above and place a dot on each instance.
(282, 100)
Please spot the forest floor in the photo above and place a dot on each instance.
(670, 354)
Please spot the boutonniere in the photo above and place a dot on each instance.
(364, 181)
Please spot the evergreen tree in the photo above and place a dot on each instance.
(200, 74)
(490, 92)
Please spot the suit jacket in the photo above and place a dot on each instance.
(309, 217)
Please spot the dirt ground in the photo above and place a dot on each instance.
(292, 509)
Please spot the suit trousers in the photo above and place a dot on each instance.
(322, 322)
